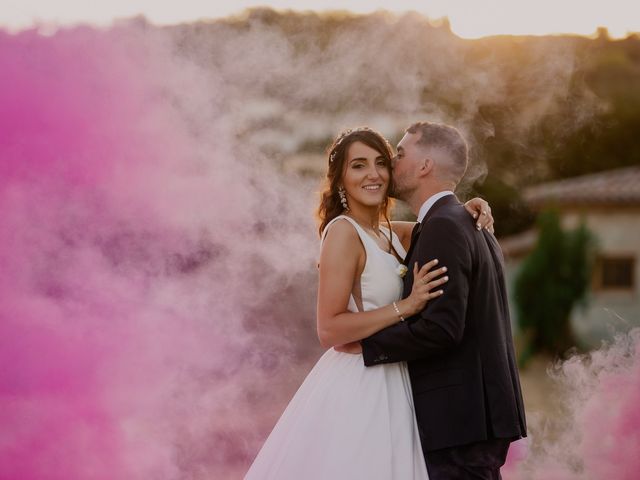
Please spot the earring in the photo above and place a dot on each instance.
(343, 198)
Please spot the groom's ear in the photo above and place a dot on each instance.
(427, 166)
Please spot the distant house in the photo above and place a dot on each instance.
(609, 203)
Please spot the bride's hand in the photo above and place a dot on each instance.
(480, 210)
(424, 281)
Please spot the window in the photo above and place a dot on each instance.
(615, 273)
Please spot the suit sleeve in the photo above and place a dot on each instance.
(440, 326)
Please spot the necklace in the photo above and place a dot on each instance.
(368, 228)
(376, 233)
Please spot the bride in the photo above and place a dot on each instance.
(346, 420)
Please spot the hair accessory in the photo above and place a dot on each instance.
(344, 135)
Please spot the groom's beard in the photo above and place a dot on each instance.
(392, 190)
(394, 193)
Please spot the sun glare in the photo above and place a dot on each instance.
(472, 19)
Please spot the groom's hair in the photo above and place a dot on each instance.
(448, 139)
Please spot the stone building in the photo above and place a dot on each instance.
(609, 203)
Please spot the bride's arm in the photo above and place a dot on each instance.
(341, 261)
(403, 231)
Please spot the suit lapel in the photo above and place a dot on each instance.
(417, 230)
(415, 238)
(415, 233)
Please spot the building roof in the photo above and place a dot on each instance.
(519, 245)
(613, 187)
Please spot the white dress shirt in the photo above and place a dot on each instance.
(429, 203)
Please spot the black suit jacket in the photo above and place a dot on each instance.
(460, 351)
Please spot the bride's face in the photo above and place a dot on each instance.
(366, 176)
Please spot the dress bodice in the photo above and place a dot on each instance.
(380, 282)
(331, 427)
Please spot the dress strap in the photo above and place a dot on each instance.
(361, 233)
(395, 241)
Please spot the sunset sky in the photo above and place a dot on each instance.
(469, 18)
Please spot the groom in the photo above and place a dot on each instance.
(463, 371)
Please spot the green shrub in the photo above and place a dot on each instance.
(552, 280)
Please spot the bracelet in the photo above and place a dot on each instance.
(395, 307)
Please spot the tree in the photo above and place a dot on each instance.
(553, 279)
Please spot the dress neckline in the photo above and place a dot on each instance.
(388, 237)
(364, 232)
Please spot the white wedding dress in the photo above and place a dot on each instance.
(348, 421)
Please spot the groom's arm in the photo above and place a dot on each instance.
(440, 326)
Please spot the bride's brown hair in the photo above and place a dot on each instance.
(330, 206)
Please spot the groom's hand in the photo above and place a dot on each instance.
(354, 348)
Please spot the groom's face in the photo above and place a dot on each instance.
(406, 163)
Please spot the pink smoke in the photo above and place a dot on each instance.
(135, 265)
(157, 279)
(599, 436)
